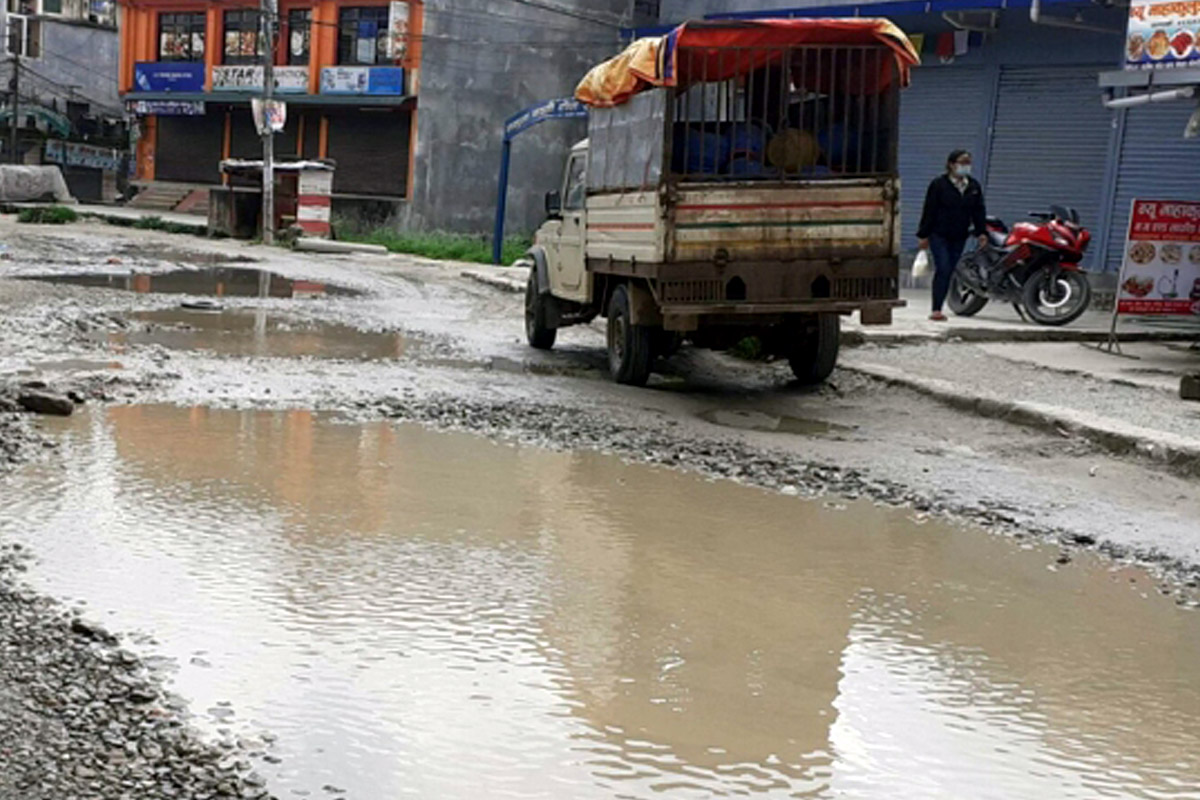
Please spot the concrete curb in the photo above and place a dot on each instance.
(1180, 454)
(501, 282)
(856, 338)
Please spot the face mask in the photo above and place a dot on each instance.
(962, 170)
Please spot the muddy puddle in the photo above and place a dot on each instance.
(253, 333)
(435, 615)
(206, 281)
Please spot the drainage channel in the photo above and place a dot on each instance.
(438, 615)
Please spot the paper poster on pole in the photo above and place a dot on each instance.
(397, 41)
(1160, 274)
(272, 113)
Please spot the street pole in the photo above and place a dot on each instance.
(268, 209)
(15, 108)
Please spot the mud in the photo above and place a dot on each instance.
(439, 614)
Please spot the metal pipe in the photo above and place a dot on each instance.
(1153, 97)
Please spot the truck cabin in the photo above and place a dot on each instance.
(802, 112)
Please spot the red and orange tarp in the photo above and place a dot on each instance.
(716, 51)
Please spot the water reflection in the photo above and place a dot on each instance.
(437, 615)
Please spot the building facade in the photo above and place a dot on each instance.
(68, 111)
(1025, 97)
(414, 126)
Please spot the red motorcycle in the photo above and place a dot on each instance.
(1035, 266)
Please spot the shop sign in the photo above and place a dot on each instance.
(249, 78)
(1160, 274)
(166, 108)
(1163, 35)
(75, 154)
(363, 80)
(180, 76)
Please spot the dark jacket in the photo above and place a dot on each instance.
(952, 214)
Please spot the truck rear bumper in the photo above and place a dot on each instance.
(691, 316)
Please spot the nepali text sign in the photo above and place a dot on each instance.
(561, 108)
(1163, 34)
(166, 108)
(1161, 271)
(150, 76)
(249, 78)
(363, 80)
(76, 154)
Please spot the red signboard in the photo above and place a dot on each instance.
(1160, 274)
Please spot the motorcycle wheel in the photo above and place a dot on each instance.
(963, 301)
(1056, 301)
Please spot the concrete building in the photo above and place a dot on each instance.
(68, 106)
(1023, 85)
(415, 129)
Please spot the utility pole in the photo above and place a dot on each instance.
(14, 86)
(268, 26)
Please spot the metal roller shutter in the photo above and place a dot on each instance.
(1050, 144)
(189, 148)
(371, 151)
(1157, 163)
(944, 108)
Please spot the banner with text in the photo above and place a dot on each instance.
(1161, 271)
(1163, 34)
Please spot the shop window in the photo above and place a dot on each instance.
(299, 24)
(362, 35)
(181, 37)
(241, 38)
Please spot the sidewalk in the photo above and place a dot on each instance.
(188, 223)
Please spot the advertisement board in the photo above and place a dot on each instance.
(1160, 274)
(178, 76)
(363, 80)
(397, 42)
(249, 78)
(77, 154)
(166, 108)
(1163, 35)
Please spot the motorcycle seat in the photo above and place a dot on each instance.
(997, 238)
(997, 223)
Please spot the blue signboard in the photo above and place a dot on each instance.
(386, 80)
(363, 80)
(179, 76)
(561, 108)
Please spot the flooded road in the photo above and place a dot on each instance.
(436, 615)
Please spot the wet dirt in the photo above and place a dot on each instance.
(749, 420)
(438, 615)
(207, 281)
(254, 333)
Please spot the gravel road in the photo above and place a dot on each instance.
(461, 363)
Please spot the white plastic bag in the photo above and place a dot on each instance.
(921, 265)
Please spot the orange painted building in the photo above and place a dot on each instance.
(349, 71)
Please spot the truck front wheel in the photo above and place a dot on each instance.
(630, 347)
(537, 332)
(813, 347)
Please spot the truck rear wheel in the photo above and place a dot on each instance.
(630, 347)
(537, 332)
(813, 348)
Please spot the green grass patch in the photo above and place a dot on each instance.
(47, 215)
(749, 349)
(445, 246)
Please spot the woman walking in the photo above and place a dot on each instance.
(953, 211)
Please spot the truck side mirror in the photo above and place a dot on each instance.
(553, 204)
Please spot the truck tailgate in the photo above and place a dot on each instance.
(750, 221)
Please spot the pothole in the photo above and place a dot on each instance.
(255, 333)
(208, 281)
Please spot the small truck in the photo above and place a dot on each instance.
(738, 179)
